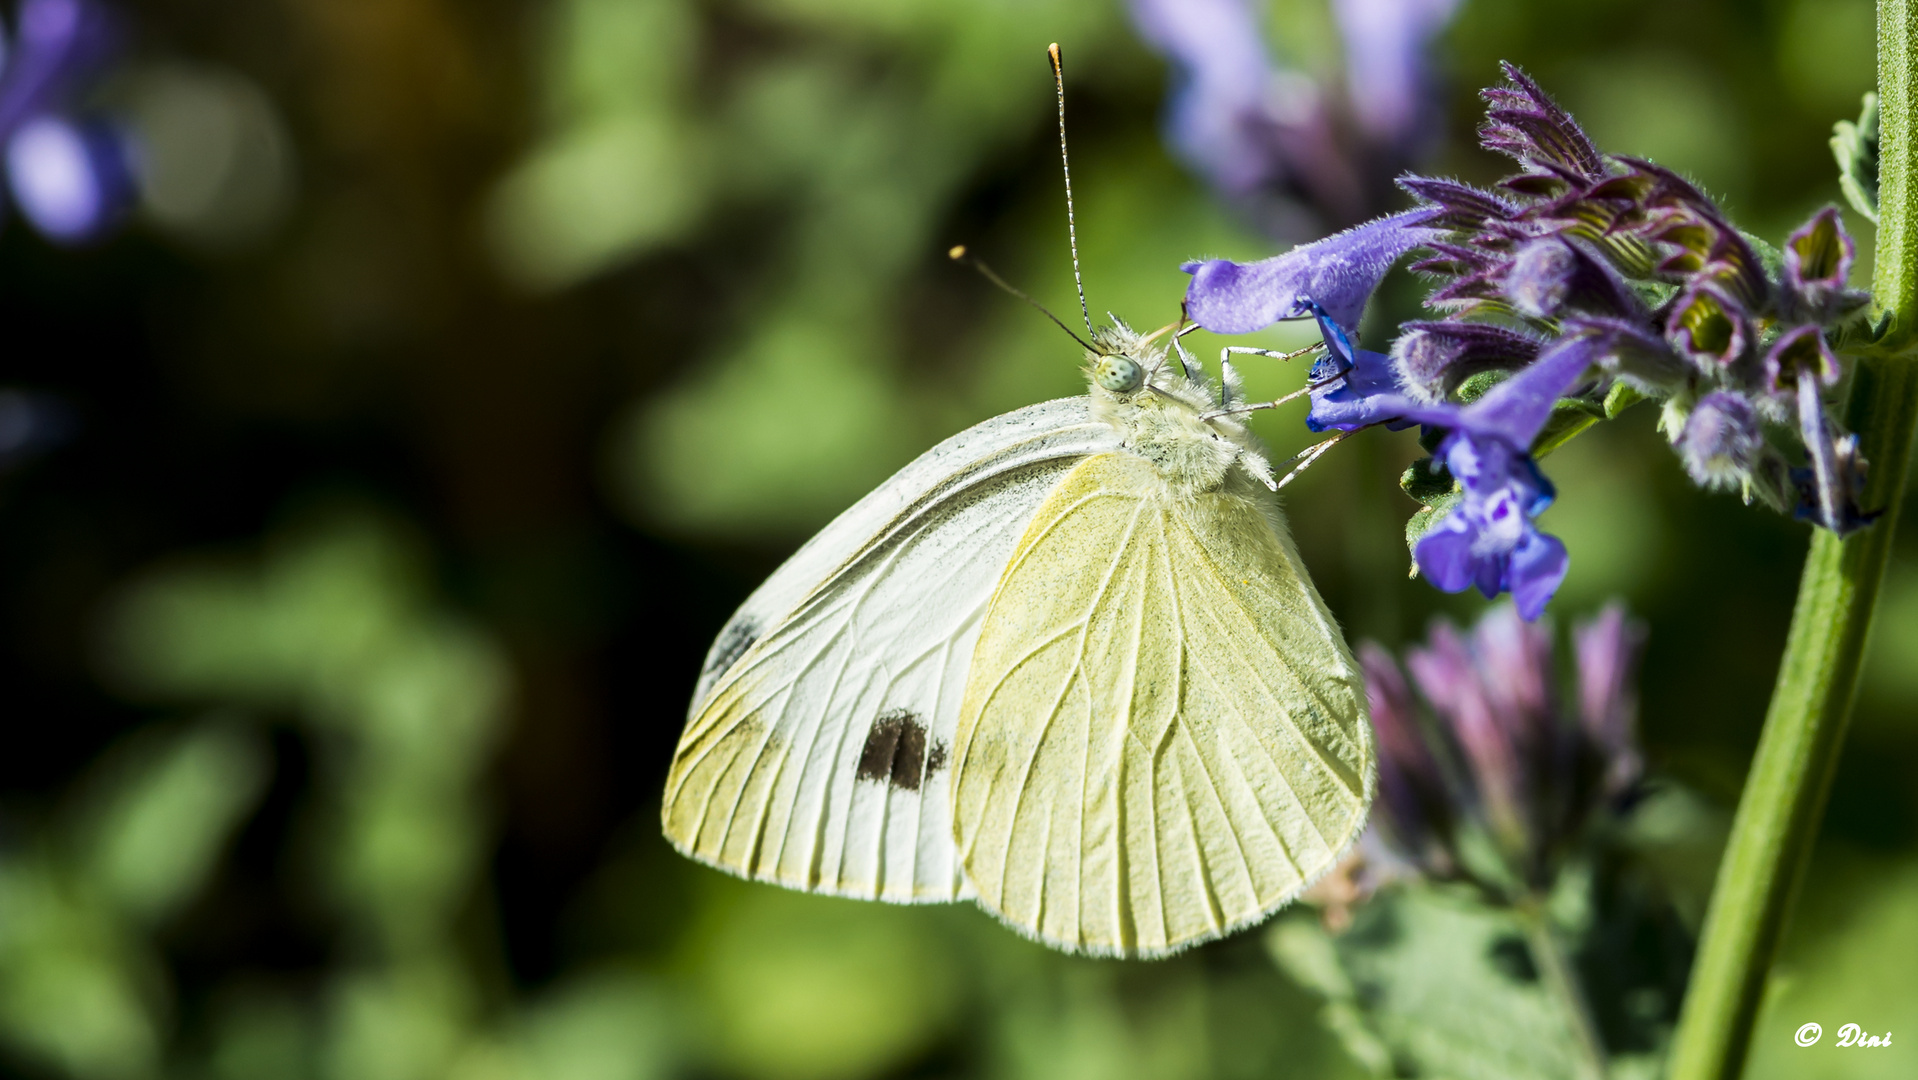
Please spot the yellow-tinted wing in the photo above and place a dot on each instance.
(1163, 736)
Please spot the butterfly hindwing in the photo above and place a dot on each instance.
(816, 753)
(1163, 735)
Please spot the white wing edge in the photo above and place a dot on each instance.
(1061, 428)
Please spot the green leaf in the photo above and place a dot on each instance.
(1622, 396)
(1569, 417)
(1855, 146)
(1428, 481)
(1424, 518)
(1445, 984)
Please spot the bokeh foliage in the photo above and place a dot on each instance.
(350, 631)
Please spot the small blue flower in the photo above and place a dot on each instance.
(1489, 539)
(1338, 273)
(1354, 388)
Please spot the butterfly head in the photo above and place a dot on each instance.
(1122, 361)
(1167, 411)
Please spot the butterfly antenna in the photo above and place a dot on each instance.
(1065, 162)
(959, 254)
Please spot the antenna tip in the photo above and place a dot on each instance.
(958, 252)
(1052, 51)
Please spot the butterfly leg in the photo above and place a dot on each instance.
(1247, 350)
(1227, 409)
(1309, 455)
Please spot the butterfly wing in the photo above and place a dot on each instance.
(815, 751)
(1164, 736)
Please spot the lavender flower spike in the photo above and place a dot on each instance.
(1338, 273)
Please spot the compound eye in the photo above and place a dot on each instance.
(1119, 374)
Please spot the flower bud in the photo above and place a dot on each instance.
(1721, 440)
(1818, 260)
(1551, 273)
(1709, 327)
(1433, 358)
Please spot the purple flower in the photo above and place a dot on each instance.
(1449, 676)
(70, 180)
(1235, 118)
(1588, 281)
(1521, 120)
(1511, 753)
(1387, 75)
(1608, 648)
(1800, 365)
(1434, 358)
(1354, 388)
(1818, 258)
(1253, 128)
(1552, 272)
(1710, 327)
(1488, 539)
(71, 177)
(1338, 273)
(1819, 254)
(1412, 788)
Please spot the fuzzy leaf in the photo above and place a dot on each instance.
(1449, 988)
(1428, 481)
(1855, 146)
(1570, 416)
(1622, 396)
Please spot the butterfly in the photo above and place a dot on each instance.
(1066, 664)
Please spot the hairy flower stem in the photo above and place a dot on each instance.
(1790, 777)
(1561, 980)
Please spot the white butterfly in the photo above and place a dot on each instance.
(1067, 663)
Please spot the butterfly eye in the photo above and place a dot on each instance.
(1119, 374)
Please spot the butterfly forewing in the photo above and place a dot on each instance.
(1163, 736)
(817, 752)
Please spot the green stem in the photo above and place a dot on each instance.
(1784, 795)
(1561, 978)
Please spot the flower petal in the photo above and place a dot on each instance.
(1538, 567)
(1339, 273)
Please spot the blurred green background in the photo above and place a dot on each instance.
(350, 629)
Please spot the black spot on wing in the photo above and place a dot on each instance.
(937, 759)
(734, 640)
(895, 751)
